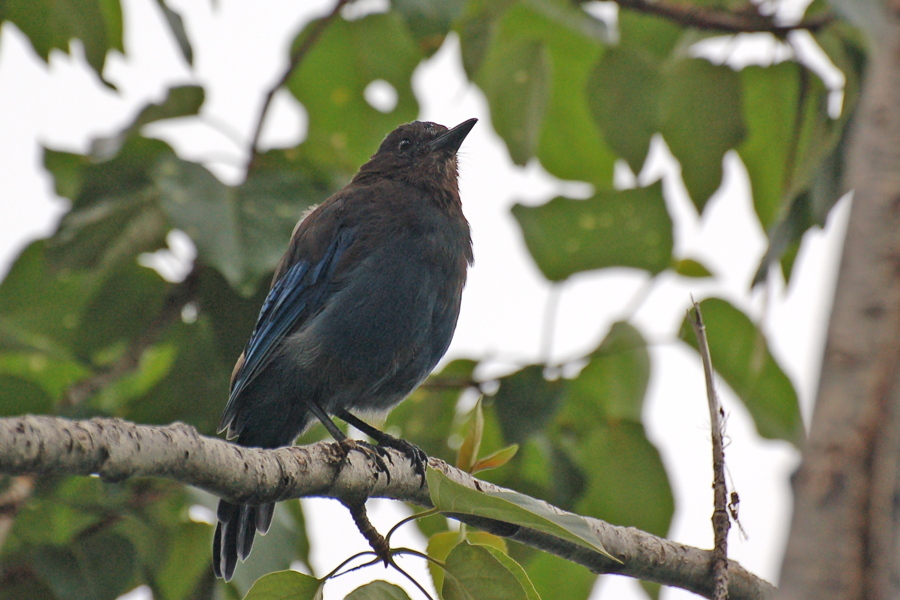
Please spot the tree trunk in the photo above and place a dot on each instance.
(843, 541)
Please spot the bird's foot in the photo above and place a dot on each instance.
(372, 452)
(415, 454)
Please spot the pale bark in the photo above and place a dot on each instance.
(116, 450)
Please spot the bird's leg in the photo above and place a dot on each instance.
(376, 540)
(413, 452)
(346, 443)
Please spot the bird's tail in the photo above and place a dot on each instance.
(235, 530)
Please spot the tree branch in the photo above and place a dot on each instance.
(116, 450)
(719, 20)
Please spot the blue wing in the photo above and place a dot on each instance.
(293, 296)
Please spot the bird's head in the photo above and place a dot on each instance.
(421, 153)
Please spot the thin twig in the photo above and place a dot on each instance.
(720, 521)
(296, 57)
(724, 21)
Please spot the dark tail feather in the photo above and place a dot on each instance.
(237, 526)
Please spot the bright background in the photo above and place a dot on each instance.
(240, 50)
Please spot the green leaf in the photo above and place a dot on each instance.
(626, 481)
(286, 585)
(334, 74)
(439, 547)
(559, 579)
(54, 375)
(623, 96)
(510, 507)
(701, 108)
(114, 217)
(429, 21)
(741, 356)
(51, 24)
(631, 228)
(196, 386)
(474, 572)
(20, 396)
(122, 308)
(41, 309)
(515, 77)
(99, 567)
(688, 267)
(176, 26)
(613, 384)
(242, 235)
(515, 568)
(495, 459)
(770, 96)
(468, 451)
(525, 402)
(378, 590)
(186, 562)
(648, 33)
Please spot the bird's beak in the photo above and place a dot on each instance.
(453, 139)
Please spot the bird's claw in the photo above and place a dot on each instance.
(415, 454)
(372, 452)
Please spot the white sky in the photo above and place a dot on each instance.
(241, 48)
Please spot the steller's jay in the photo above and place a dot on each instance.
(362, 307)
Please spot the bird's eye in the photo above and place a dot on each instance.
(404, 145)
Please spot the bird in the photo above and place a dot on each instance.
(362, 306)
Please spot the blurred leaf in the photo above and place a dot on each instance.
(176, 26)
(627, 483)
(475, 572)
(54, 375)
(187, 561)
(515, 77)
(495, 459)
(701, 107)
(648, 33)
(40, 309)
(450, 497)
(439, 546)
(121, 309)
(688, 267)
(476, 27)
(286, 585)
(468, 451)
(623, 96)
(559, 579)
(51, 24)
(740, 355)
(631, 228)
(20, 396)
(378, 590)
(114, 217)
(242, 235)
(525, 402)
(98, 567)
(612, 385)
(197, 385)
(770, 96)
(298, 528)
(330, 82)
(429, 21)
